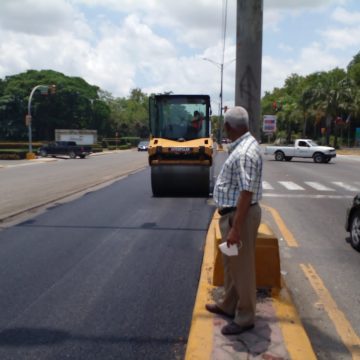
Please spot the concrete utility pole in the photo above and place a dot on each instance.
(248, 60)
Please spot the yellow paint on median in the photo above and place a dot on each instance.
(296, 340)
(201, 338)
(342, 325)
(200, 342)
(286, 233)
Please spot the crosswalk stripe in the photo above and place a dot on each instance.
(267, 186)
(345, 186)
(318, 186)
(291, 185)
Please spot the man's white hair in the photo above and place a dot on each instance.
(237, 117)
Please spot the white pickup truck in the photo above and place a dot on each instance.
(303, 148)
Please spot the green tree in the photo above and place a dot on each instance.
(129, 116)
(71, 107)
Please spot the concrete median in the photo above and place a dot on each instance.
(278, 331)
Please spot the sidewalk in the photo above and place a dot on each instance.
(278, 333)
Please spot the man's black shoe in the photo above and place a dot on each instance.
(213, 308)
(235, 329)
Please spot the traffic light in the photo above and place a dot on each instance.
(52, 89)
(277, 105)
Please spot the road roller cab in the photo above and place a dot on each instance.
(180, 149)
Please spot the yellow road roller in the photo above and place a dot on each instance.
(180, 149)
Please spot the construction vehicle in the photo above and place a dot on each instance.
(180, 149)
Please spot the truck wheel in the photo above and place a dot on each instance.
(43, 153)
(288, 158)
(82, 156)
(355, 230)
(326, 160)
(318, 158)
(72, 154)
(279, 156)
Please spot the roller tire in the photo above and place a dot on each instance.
(183, 180)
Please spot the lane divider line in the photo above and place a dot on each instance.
(286, 233)
(343, 327)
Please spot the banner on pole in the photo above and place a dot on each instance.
(269, 123)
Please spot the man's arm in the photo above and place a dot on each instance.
(242, 208)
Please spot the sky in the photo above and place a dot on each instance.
(160, 45)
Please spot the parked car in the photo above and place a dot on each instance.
(303, 148)
(69, 148)
(143, 146)
(353, 222)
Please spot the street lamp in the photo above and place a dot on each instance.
(45, 89)
(221, 67)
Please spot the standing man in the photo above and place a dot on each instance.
(237, 192)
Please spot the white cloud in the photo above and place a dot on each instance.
(285, 48)
(346, 17)
(312, 59)
(303, 4)
(342, 38)
(158, 45)
(40, 17)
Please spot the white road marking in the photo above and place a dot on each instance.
(307, 196)
(318, 186)
(291, 185)
(345, 186)
(267, 186)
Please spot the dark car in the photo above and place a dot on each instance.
(69, 148)
(353, 222)
(143, 146)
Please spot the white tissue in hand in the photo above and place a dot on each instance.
(232, 250)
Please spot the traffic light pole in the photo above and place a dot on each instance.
(248, 60)
(28, 118)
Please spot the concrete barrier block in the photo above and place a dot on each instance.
(267, 258)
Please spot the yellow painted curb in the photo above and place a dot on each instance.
(296, 340)
(30, 156)
(200, 342)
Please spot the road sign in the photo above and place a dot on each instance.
(269, 123)
(357, 136)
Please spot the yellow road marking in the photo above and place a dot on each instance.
(342, 325)
(286, 233)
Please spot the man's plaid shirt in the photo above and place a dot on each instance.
(241, 171)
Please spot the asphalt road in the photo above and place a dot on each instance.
(72, 278)
(111, 275)
(312, 200)
(26, 184)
